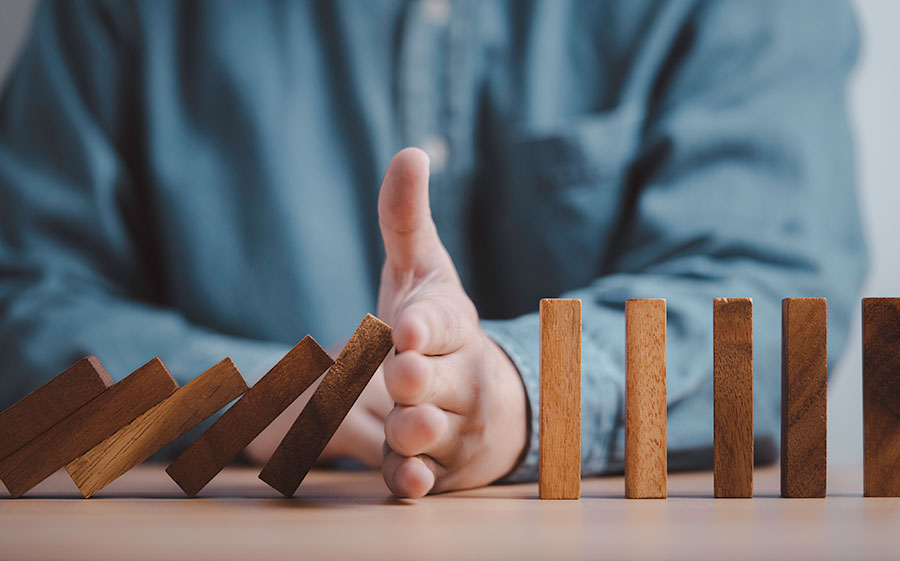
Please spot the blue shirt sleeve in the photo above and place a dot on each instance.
(743, 186)
(75, 248)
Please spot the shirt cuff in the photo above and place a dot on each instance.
(602, 397)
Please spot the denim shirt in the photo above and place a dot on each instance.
(198, 179)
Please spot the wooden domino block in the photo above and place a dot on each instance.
(160, 425)
(645, 399)
(559, 451)
(50, 403)
(328, 406)
(244, 420)
(86, 427)
(804, 379)
(733, 397)
(881, 396)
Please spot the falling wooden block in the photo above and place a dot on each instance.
(559, 451)
(881, 396)
(244, 420)
(328, 406)
(645, 399)
(86, 427)
(804, 379)
(733, 397)
(160, 425)
(50, 403)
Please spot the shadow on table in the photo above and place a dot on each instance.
(336, 502)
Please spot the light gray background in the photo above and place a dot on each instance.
(875, 96)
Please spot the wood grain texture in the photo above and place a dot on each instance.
(160, 425)
(733, 397)
(645, 399)
(559, 452)
(86, 427)
(244, 420)
(50, 403)
(328, 406)
(804, 382)
(881, 396)
(350, 515)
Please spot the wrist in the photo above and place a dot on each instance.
(515, 408)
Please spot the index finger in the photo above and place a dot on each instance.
(431, 327)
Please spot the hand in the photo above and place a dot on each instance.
(459, 419)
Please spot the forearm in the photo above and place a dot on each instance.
(741, 186)
(689, 353)
(43, 330)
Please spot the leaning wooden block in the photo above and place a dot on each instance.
(559, 450)
(244, 420)
(804, 379)
(50, 403)
(160, 425)
(645, 399)
(328, 406)
(881, 396)
(86, 427)
(733, 397)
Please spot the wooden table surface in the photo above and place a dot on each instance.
(351, 515)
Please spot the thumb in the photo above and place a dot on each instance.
(410, 237)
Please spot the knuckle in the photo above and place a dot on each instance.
(407, 379)
(428, 423)
(410, 430)
(397, 433)
(419, 423)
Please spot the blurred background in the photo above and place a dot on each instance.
(876, 116)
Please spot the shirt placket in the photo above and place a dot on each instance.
(435, 91)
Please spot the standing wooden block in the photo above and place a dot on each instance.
(559, 451)
(645, 399)
(160, 425)
(86, 427)
(328, 406)
(733, 397)
(50, 403)
(244, 420)
(804, 380)
(881, 396)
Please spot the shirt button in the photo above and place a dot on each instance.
(438, 150)
(437, 12)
